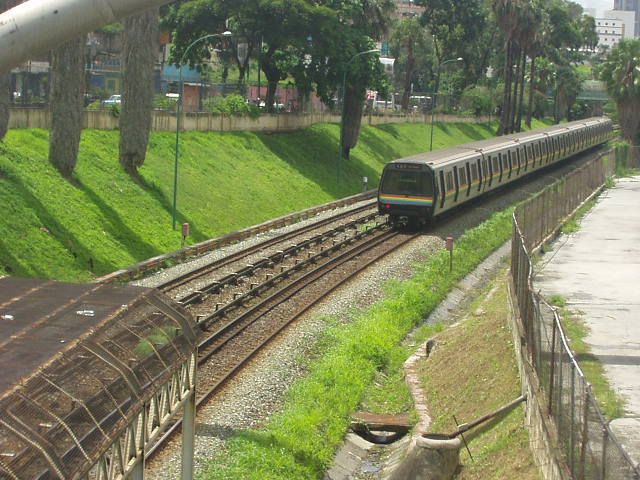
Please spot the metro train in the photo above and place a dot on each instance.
(419, 188)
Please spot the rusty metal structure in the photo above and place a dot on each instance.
(90, 376)
(36, 26)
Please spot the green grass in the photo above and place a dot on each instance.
(300, 441)
(104, 220)
(611, 404)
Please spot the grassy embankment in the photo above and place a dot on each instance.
(103, 220)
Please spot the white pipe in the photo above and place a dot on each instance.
(37, 26)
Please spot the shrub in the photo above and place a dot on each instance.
(233, 104)
(476, 100)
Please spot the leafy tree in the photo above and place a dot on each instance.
(5, 84)
(621, 73)
(5, 95)
(139, 55)
(67, 95)
(456, 26)
(413, 49)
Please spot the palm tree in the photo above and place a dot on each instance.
(507, 16)
(5, 81)
(139, 54)
(621, 73)
(67, 92)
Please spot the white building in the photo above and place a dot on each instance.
(612, 29)
(628, 18)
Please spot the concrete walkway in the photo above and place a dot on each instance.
(597, 270)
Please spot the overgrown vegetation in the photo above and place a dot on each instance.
(103, 219)
(300, 441)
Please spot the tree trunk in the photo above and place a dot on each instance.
(411, 63)
(5, 87)
(516, 85)
(532, 85)
(523, 68)
(352, 120)
(504, 114)
(629, 112)
(139, 55)
(5, 94)
(67, 92)
(273, 74)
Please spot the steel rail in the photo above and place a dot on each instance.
(206, 269)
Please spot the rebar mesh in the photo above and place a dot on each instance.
(589, 448)
(99, 353)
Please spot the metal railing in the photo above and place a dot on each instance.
(589, 447)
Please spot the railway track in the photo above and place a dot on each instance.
(317, 230)
(234, 332)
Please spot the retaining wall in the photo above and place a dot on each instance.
(207, 122)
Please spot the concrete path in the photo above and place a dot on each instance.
(597, 270)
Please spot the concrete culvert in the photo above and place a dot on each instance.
(431, 455)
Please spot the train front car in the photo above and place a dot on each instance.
(406, 193)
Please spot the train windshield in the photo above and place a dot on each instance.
(407, 182)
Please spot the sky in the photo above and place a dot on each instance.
(599, 5)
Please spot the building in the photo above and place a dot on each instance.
(627, 17)
(614, 26)
(610, 32)
(630, 6)
(408, 8)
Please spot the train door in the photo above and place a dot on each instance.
(456, 182)
(477, 170)
(510, 162)
(496, 169)
(450, 187)
(525, 151)
(443, 191)
(485, 174)
(469, 181)
(504, 163)
(518, 159)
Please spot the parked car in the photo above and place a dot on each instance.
(112, 100)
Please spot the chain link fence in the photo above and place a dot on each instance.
(589, 448)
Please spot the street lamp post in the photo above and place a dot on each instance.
(344, 85)
(179, 115)
(435, 95)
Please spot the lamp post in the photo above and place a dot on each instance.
(179, 114)
(435, 95)
(344, 85)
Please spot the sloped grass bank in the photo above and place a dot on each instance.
(299, 442)
(472, 371)
(103, 219)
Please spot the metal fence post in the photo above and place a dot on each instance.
(573, 416)
(605, 441)
(585, 434)
(552, 367)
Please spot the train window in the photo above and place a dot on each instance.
(510, 162)
(463, 176)
(406, 182)
(443, 194)
(496, 166)
(506, 163)
(474, 172)
(449, 181)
